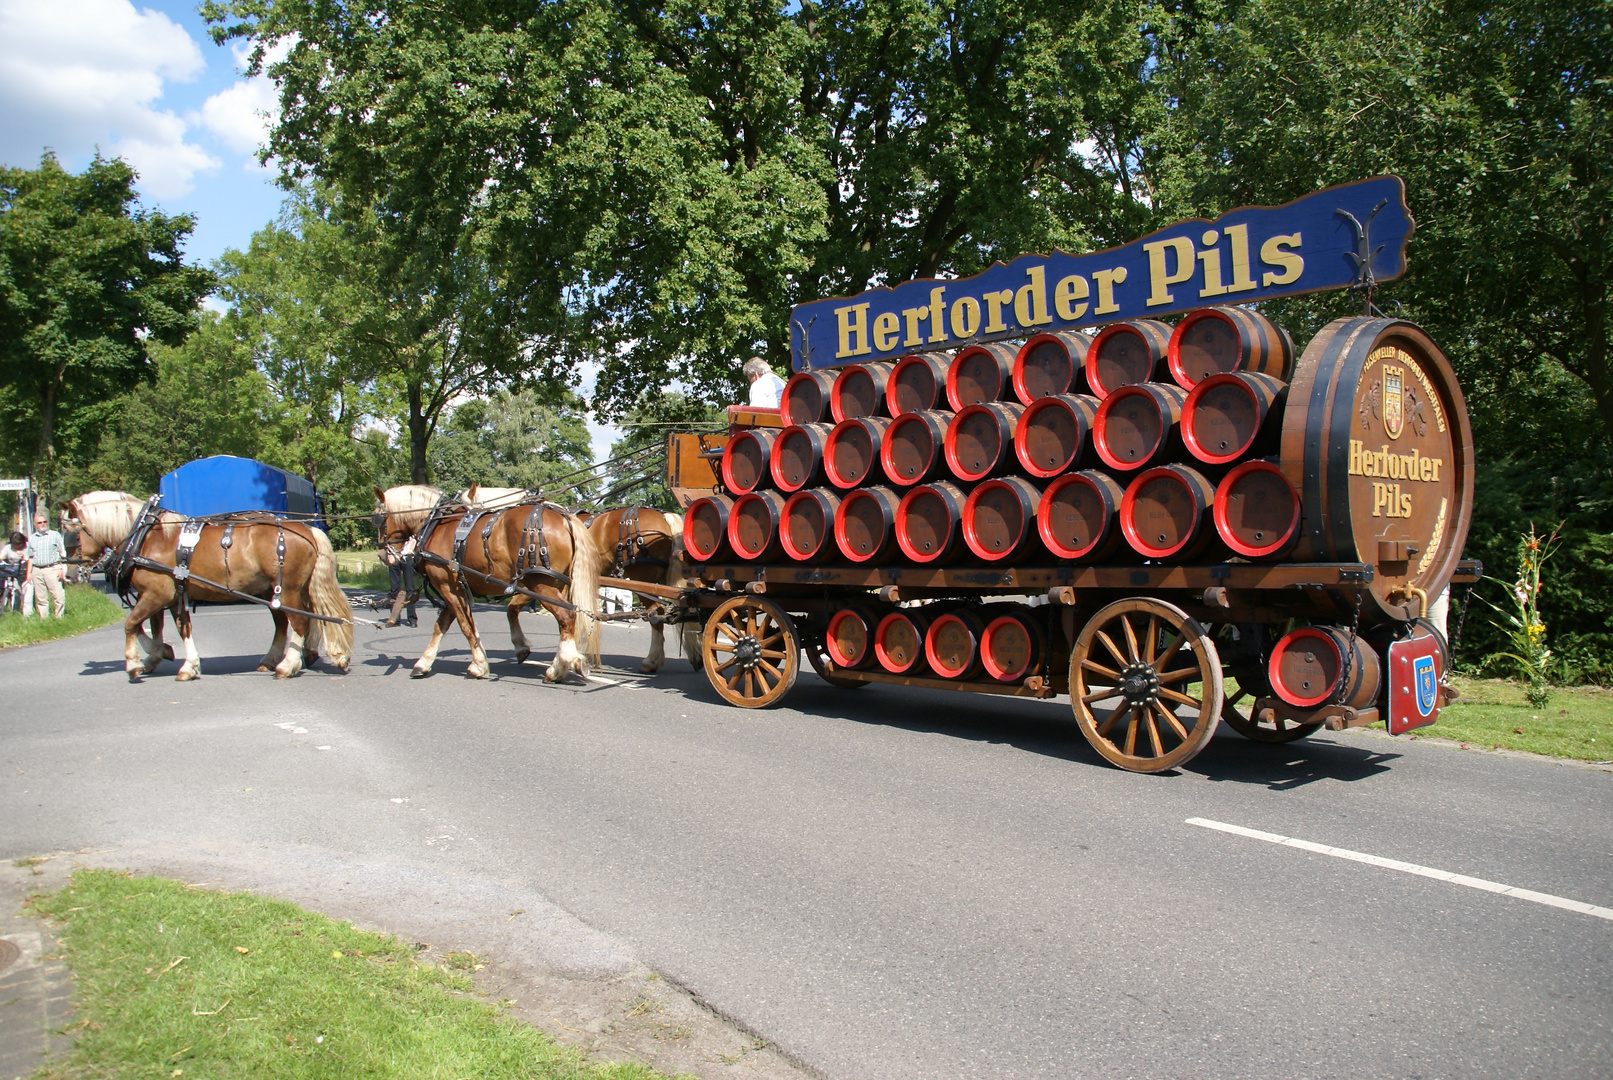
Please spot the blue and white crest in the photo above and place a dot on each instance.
(1422, 670)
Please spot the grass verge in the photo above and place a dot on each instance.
(172, 981)
(87, 609)
(361, 569)
(1576, 723)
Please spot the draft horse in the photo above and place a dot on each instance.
(641, 543)
(517, 548)
(163, 559)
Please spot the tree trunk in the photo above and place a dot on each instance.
(44, 470)
(419, 433)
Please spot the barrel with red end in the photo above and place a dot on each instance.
(980, 373)
(914, 447)
(999, 520)
(952, 644)
(705, 528)
(1012, 645)
(865, 525)
(980, 439)
(899, 640)
(1079, 517)
(798, 453)
(1221, 339)
(929, 523)
(1320, 665)
(1054, 434)
(753, 526)
(1166, 513)
(1048, 365)
(747, 460)
(918, 383)
(806, 397)
(860, 391)
(849, 640)
(851, 451)
(1234, 414)
(1257, 511)
(1127, 353)
(1139, 426)
(806, 529)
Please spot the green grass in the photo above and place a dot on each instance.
(361, 569)
(1576, 723)
(172, 981)
(87, 609)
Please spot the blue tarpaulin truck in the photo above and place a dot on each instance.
(224, 484)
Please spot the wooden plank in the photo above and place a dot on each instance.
(1032, 687)
(643, 588)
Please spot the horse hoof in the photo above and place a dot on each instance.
(649, 668)
(134, 676)
(419, 673)
(264, 667)
(185, 676)
(167, 652)
(520, 657)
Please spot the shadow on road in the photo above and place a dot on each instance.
(1288, 766)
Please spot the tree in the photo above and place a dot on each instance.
(515, 439)
(641, 477)
(89, 284)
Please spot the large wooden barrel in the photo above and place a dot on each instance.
(913, 448)
(1318, 665)
(952, 643)
(1137, 426)
(1377, 442)
(1166, 513)
(806, 531)
(860, 391)
(849, 639)
(747, 460)
(806, 397)
(899, 640)
(999, 519)
(980, 439)
(980, 373)
(797, 458)
(1079, 517)
(705, 528)
(865, 525)
(1013, 643)
(1218, 339)
(1051, 364)
(851, 452)
(1054, 434)
(929, 523)
(918, 383)
(753, 526)
(1257, 510)
(1231, 414)
(1126, 353)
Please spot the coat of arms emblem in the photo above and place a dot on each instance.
(1394, 414)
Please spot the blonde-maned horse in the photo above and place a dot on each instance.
(252, 564)
(644, 544)
(494, 553)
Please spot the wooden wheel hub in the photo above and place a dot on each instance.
(747, 651)
(751, 652)
(1139, 684)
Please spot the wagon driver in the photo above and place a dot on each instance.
(766, 388)
(45, 552)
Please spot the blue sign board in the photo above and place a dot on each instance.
(1327, 240)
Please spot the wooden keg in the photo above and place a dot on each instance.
(753, 526)
(1051, 364)
(918, 383)
(1054, 434)
(1079, 517)
(1220, 339)
(1137, 426)
(806, 531)
(980, 439)
(913, 448)
(797, 458)
(1257, 510)
(865, 525)
(1126, 353)
(1013, 644)
(1319, 665)
(999, 519)
(952, 643)
(1166, 513)
(806, 397)
(705, 528)
(899, 640)
(1232, 414)
(1377, 442)
(929, 523)
(851, 452)
(980, 373)
(849, 639)
(747, 460)
(860, 391)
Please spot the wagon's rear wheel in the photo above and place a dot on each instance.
(1145, 681)
(751, 652)
(1238, 710)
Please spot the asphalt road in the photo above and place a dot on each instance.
(886, 882)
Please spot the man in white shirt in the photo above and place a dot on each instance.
(766, 388)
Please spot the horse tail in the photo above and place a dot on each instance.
(584, 589)
(329, 600)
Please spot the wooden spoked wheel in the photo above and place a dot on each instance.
(1238, 710)
(751, 652)
(1145, 681)
(818, 656)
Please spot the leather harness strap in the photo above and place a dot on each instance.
(189, 533)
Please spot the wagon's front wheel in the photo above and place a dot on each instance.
(1145, 681)
(751, 652)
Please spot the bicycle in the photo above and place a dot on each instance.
(11, 598)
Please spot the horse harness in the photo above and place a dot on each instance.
(632, 549)
(531, 558)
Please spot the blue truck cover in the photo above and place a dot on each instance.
(224, 484)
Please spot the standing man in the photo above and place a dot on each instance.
(766, 388)
(401, 583)
(45, 551)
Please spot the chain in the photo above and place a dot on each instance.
(1349, 653)
(1461, 620)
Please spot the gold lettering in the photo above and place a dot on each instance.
(1030, 302)
(1159, 280)
(1437, 463)
(965, 317)
(938, 314)
(1426, 467)
(850, 327)
(994, 309)
(1241, 281)
(1211, 258)
(914, 316)
(1380, 496)
(1405, 503)
(1070, 290)
(1107, 280)
(1355, 458)
(1272, 253)
(886, 327)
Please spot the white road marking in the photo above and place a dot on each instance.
(1409, 868)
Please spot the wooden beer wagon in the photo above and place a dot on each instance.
(1172, 525)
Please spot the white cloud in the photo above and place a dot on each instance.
(77, 74)
(241, 116)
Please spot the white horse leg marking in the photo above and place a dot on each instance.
(133, 661)
(657, 653)
(277, 647)
(150, 650)
(192, 667)
(422, 666)
(292, 663)
(567, 659)
(478, 660)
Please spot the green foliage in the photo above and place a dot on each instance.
(1492, 713)
(1522, 627)
(641, 479)
(513, 439)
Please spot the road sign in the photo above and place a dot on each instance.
(13, 485)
